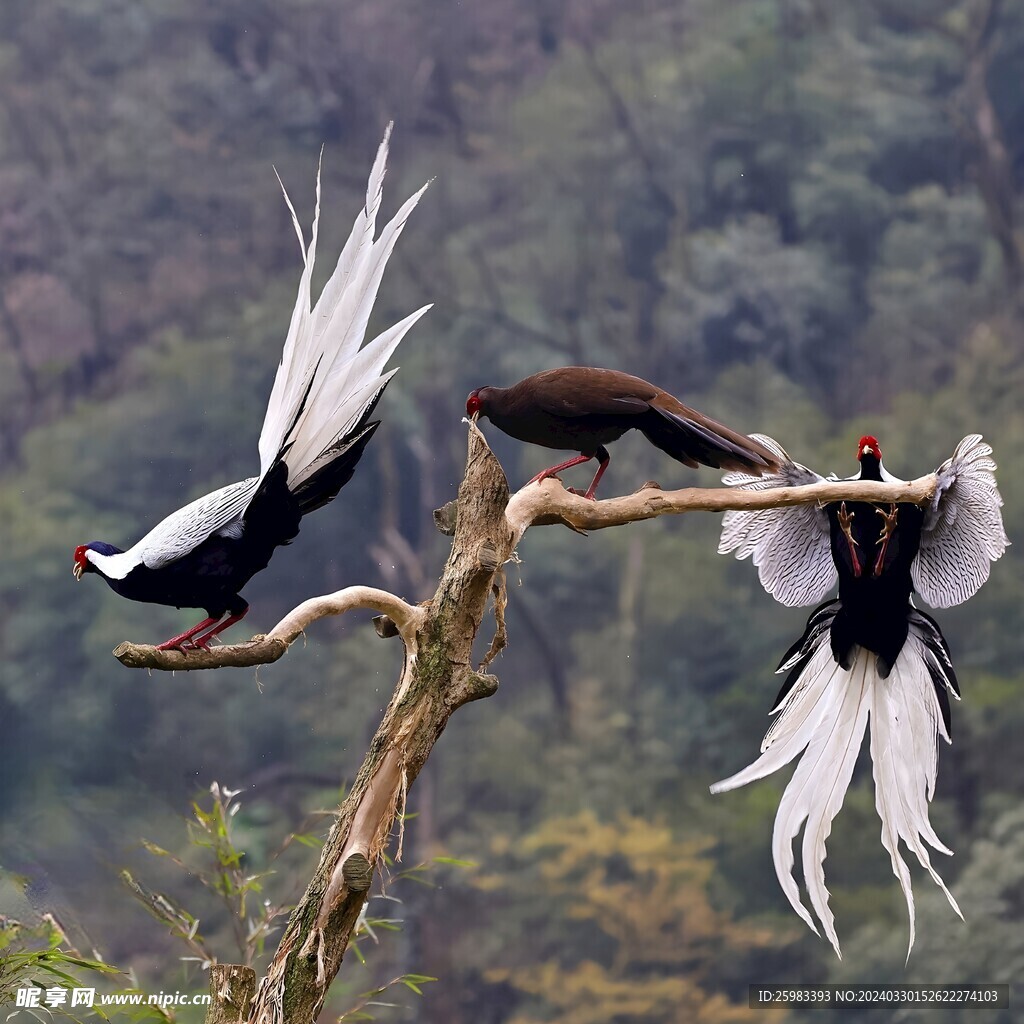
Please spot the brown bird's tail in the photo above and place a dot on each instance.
(694, 439)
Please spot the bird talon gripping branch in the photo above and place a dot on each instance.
(845, 520)
(888, 527)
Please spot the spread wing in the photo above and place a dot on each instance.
(789, 546)
(963, 527)
(220, 511)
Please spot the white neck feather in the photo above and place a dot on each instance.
(114, 567)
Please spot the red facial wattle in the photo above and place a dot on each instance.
(473, 404)
(868, 445)
(81, 562)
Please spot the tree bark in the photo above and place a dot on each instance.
(232, 987)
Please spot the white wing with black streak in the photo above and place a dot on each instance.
(963, 530)
(789, 546)
(181, 532)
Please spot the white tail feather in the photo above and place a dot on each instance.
(326, 378)
(825, 714)
(905, 724)
(819, 785)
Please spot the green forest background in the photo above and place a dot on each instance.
(802, 216)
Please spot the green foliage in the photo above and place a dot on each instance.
(217, 862)
(224, 874)
(36, 954)
(359, 1011)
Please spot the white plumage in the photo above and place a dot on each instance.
(182, 531)
(788, 546)
(963, 531)
(325, 379)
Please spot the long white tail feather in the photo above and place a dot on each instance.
(333, 446)
(905, 724)
(362, 230)
(346, 326)
(824, 715)
(347, 389)
(293, 362)
(799, 715)
(326, 379)
(349, 312)
(816, 791)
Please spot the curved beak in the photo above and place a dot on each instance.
(78, 569)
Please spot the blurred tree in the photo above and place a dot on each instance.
(647, 944)
(987, 948)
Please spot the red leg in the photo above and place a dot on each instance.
(203, 642)
(177, 643)
(888, 526)
(603, 460)
(568, 464)
(846, 525)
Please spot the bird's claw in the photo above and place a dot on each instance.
(888, 528)
(888, 522)
(170, 645)
(846, 525)
(185, 645)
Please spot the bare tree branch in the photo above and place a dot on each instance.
(547, 502)
(437, 678)
(264, 649)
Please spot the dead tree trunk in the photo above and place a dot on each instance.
(438, 677)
